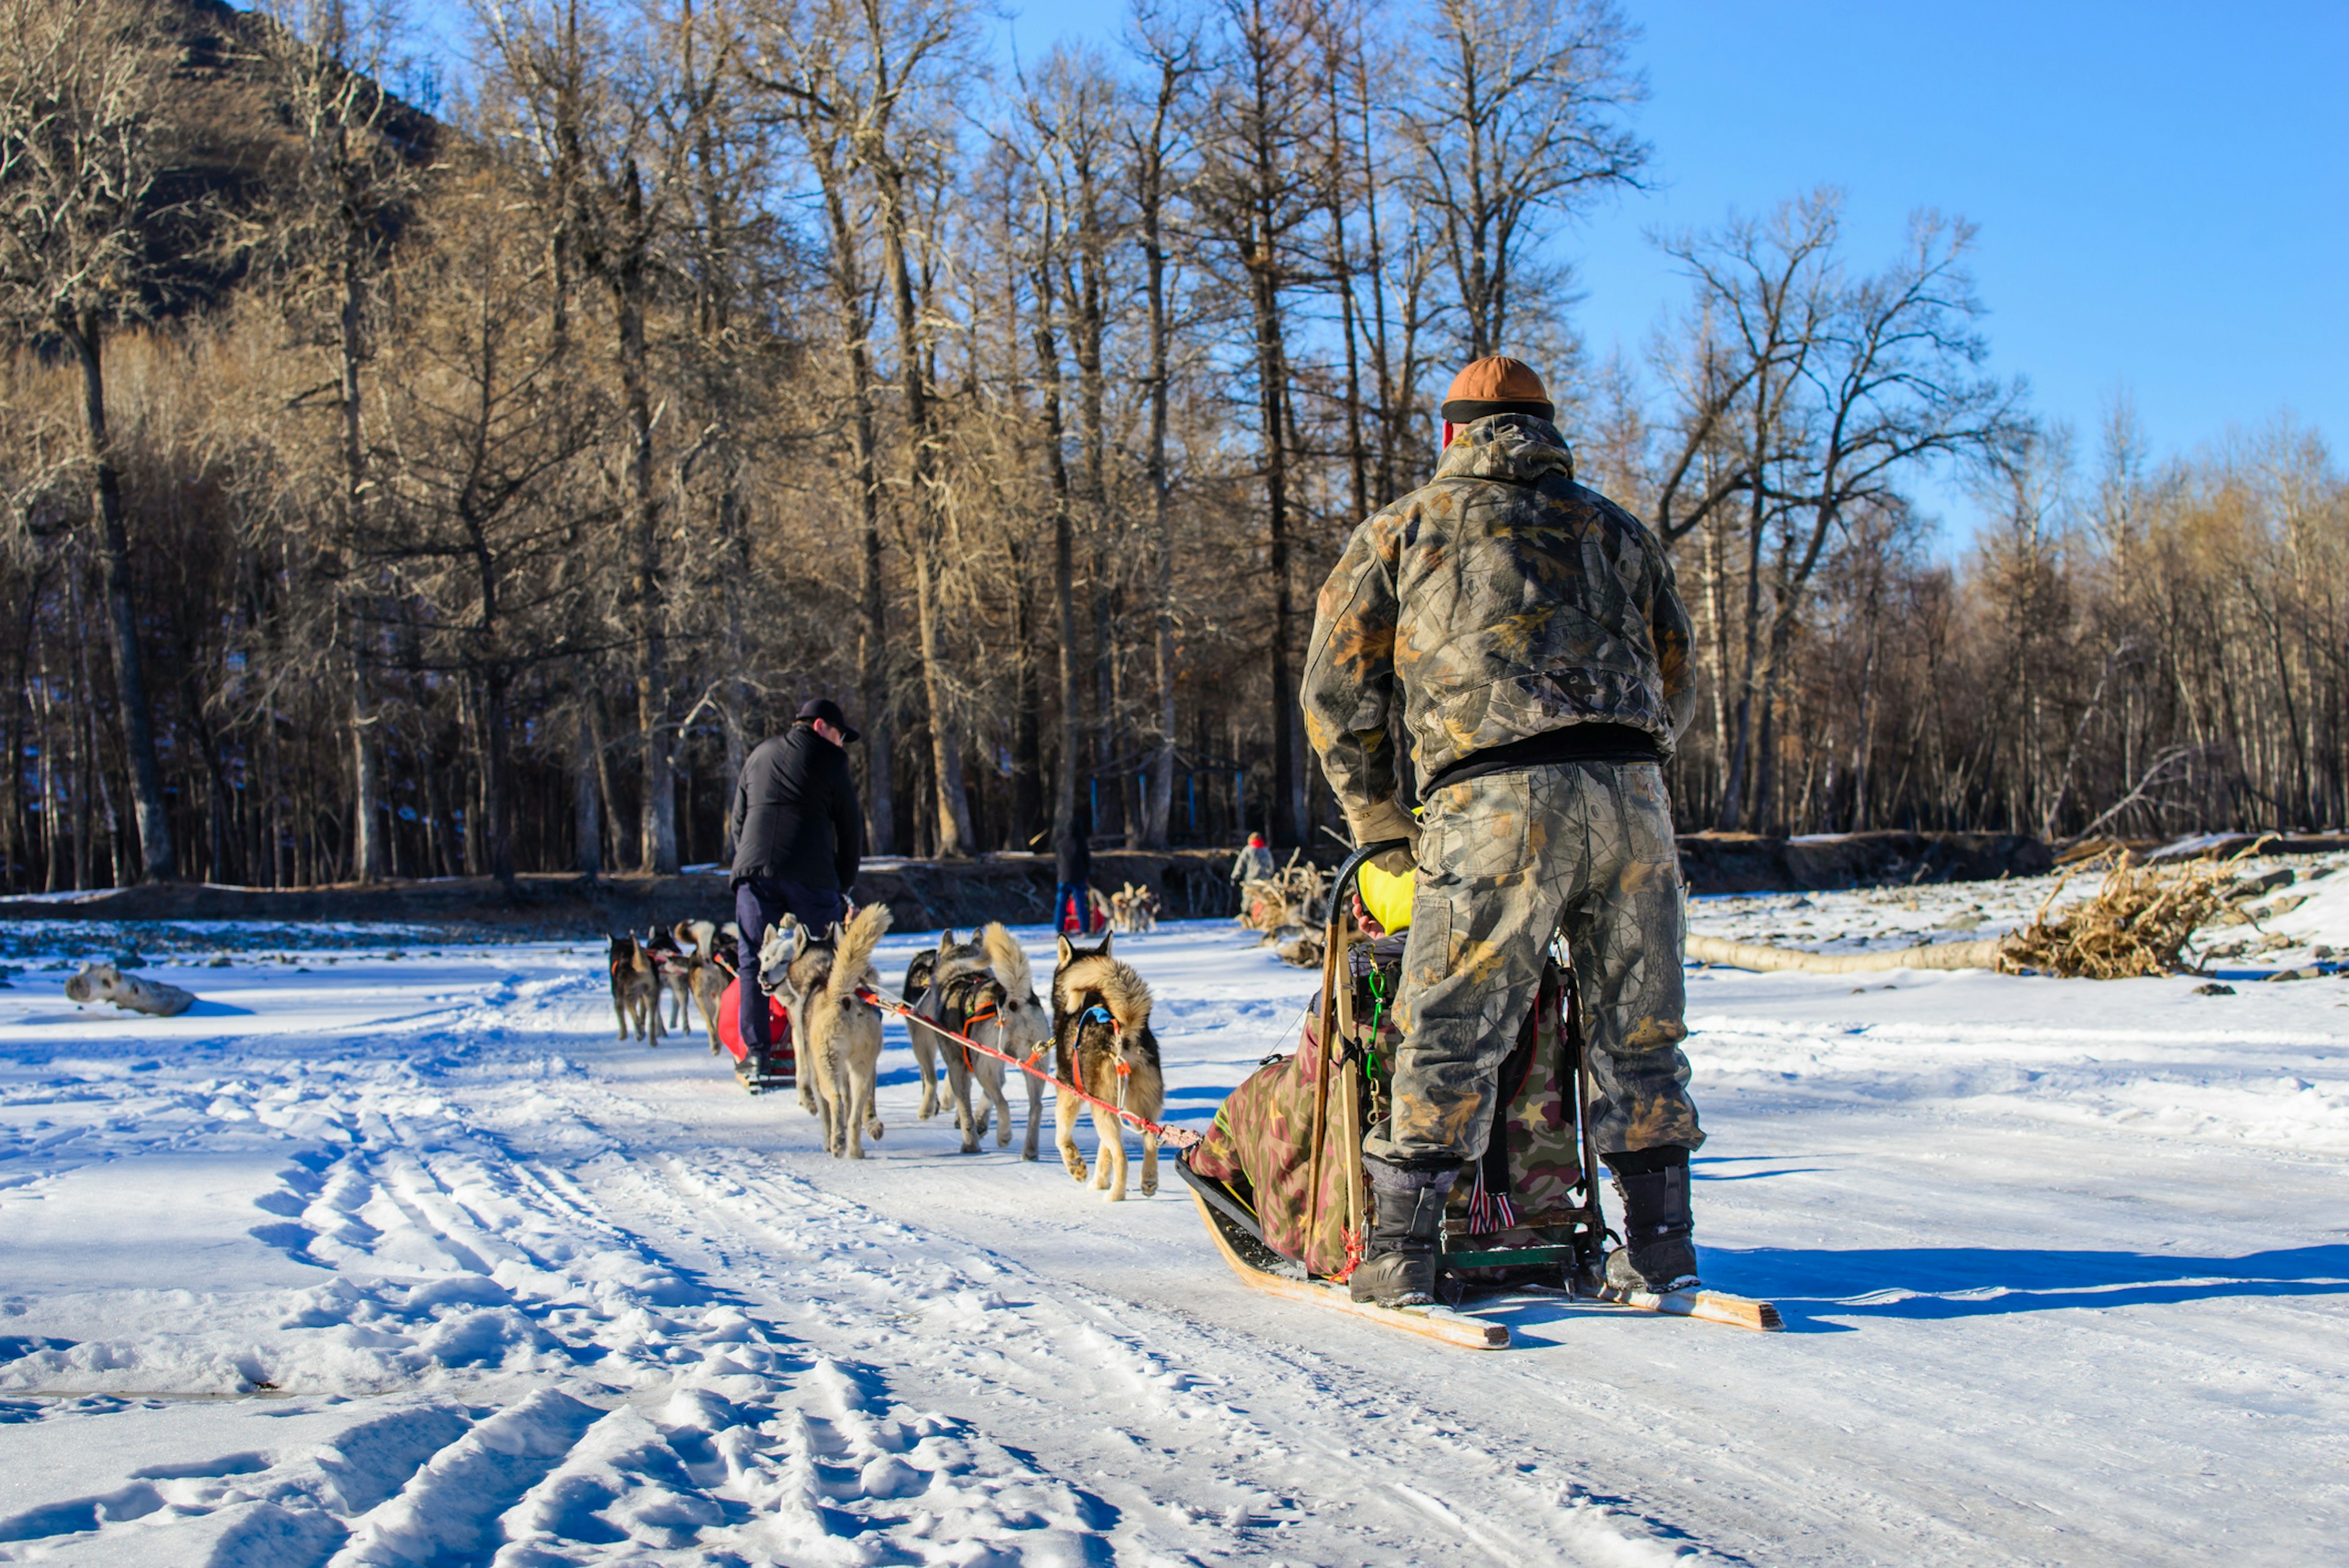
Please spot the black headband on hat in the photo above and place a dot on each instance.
(1468, 410)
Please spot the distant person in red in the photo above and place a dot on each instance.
(799, 836)
(1253, 863)
(1072, 869)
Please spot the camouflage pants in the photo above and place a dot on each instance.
(1505, 861)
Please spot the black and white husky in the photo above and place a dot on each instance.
(982, 988)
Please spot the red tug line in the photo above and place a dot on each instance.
(1173, 1137)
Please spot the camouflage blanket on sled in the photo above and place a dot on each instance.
(1260, 1146)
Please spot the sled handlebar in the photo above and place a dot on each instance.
(1347, 869)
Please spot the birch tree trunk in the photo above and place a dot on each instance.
(1048, 359)
(953, 804)
(84, 334)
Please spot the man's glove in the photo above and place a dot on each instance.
(1386, 819)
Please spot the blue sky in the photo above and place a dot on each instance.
(2162, 187)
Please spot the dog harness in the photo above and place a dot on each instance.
(959, 1014)
(1100, 1014)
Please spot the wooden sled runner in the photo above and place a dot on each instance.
(1261, 1268)
(1255, 1264)
(1279, 1182)
(1737, 1310)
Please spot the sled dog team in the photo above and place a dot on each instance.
(1096, 1029)
(695, 959)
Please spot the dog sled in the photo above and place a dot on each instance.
(1279, 1180)
(777, 1067)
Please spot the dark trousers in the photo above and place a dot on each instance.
(760, 904)
(1072, 909)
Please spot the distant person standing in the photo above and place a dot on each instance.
(1253, 863)
(1072, 869)
(799, 835)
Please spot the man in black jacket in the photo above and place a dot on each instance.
(798, 837)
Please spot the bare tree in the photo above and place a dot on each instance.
(1074, 121)
(731, 254)
(805, 62)
(89, 239)
(479, 539)
(586, 102)
(1157, 151)
(880, 77)
(1517, 113)
(1258, 194)
(351, 178)
(1848, 386)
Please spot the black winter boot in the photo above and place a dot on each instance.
(1658, 1254)
(1400, 1270)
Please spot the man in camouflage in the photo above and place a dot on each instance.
(1532, 633)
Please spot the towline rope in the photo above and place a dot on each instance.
(1173, 1137)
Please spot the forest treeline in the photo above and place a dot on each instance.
(404, 483)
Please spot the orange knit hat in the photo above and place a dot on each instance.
(1497, 384)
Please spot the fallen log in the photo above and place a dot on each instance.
(133, 992)
(1759, 956)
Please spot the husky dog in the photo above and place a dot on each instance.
(997, 1007)
(636, 990)
(836, 1032)
(695, 936)
(949, 964)
(782, 940)
(770, 972)
(1103, 1044)
(1132, 909)
(917, 975)
(715, 962)
(674, 969)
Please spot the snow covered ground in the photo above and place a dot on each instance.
(405, 1260)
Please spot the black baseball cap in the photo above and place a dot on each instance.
(825, 708)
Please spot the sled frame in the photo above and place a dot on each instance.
(1581, 1261)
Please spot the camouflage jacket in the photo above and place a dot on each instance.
(1507, 599)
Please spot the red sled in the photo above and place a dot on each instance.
(778, 1068)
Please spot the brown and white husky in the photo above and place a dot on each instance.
(836, 1032)
(1132, 909)
(673, 962)
(1101, 1043)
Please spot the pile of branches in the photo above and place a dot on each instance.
(2138, 924)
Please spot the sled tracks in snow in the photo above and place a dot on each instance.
(520, 1359)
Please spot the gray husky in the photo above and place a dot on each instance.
(997, 1007)
(953, 961)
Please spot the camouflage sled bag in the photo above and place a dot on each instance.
(1259, 1147)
